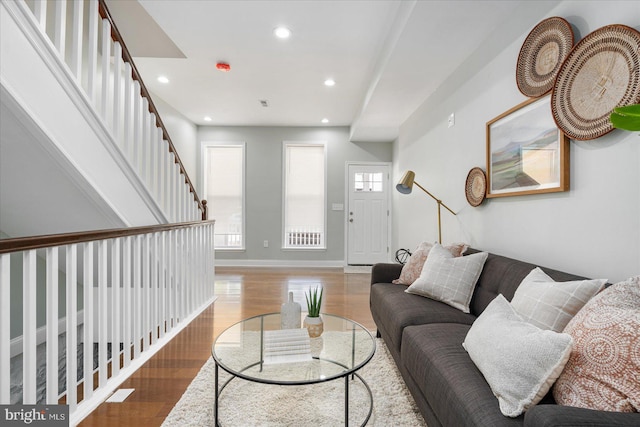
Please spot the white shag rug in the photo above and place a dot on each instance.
(244, 403)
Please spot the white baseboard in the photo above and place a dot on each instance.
(278, 263)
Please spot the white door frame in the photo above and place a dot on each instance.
(346, 206)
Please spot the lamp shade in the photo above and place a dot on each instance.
(405, 185)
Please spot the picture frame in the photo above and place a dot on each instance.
(526, 151)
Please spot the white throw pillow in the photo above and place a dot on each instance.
(519, 361)
(547, 304)
(449, 279)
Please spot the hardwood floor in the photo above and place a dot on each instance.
(242, 293)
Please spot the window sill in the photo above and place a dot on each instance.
(304, 249)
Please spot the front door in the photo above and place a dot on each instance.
(368, 213)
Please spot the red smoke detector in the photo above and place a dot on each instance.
(222, 66)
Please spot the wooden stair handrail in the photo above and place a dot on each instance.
(117, 37)
(38, 242)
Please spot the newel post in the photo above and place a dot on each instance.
(205, 210)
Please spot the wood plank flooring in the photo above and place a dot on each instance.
(242, 293)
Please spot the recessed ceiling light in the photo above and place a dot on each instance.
(207, 118)
(325, 120)
(329, 82)
(163, 79)
(282, 32)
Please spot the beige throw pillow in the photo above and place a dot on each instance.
(547, 304)
(519, 361)
(603, 371)
(411, 270)
(449, 279)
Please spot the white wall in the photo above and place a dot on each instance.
(592, 230)
(264, 189)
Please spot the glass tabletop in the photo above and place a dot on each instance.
(344, 347)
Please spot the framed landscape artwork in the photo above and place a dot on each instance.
(526, 152)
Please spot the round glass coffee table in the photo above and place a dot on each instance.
(246, 350)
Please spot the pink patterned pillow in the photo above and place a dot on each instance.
(603, 371)
(412, 269)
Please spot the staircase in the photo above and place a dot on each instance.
(103, 238)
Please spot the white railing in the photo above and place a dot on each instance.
(304, 237)
(89, 45)
(124, 293)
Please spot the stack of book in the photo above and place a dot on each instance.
(286, 346)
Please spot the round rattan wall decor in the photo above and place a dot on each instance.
(475, 187)
(541, 56)
(600, 73)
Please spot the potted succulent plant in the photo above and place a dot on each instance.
(313, 321)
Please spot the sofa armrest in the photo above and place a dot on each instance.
(385, 272)
(557, 415)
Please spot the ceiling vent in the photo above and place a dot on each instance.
(264, 102)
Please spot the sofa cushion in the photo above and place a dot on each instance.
(548, 304)
(519, 360)
(454, 387)
(449, 279)
(393, 309)
(603, 371)
(502, 275)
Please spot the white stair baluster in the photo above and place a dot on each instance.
(71, 326)
(103, 310)
(52, 324)
(92, 52)
(162, 308)
(117, 92)
(29, 326)
(40, 13)
(137, 295)
(76, 40)
(5, 329)
(127, 139)
(106, 73)
(60, 27)
(117, 303)
(87, 289)
(145, 303)
(144, 143)
(127, 318)
(154, 288)
(137, 129)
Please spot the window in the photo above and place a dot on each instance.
(304, 195)
(224, 191)
(368, 182)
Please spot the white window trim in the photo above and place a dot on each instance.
(323, 144)
(203, 149)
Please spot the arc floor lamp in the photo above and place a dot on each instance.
(406, 185)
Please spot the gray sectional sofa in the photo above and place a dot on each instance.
(425, 338)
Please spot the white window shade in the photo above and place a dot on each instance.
(224, 188)
(304, 196)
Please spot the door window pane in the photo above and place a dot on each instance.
(368, 182)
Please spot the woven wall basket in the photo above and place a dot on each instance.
(541, 56)
(600, 73)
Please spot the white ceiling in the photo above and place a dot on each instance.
(387, 57)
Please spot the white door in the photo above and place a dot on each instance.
(368, 213)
